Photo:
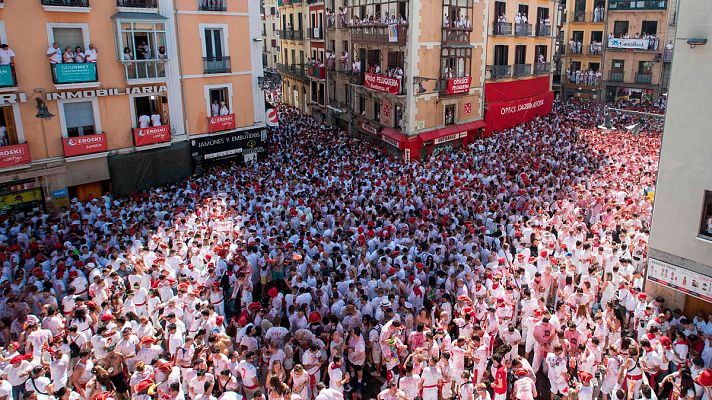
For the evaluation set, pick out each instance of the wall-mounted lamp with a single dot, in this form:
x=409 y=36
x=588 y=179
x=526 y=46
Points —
x=694 y=42
x=42 y=111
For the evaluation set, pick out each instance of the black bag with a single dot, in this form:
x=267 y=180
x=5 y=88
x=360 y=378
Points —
x=74 y=350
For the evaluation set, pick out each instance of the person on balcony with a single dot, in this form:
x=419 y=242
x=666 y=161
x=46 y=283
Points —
x=223 y=108
x=54 y=53
x=79 y=56
x=68 y=56
x=156 y=119
x=162 y=55
x=7 y=56
x=144 y=121
x=92 y=54
x=215 y=108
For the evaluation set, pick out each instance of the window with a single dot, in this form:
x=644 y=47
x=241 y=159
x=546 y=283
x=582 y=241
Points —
x=501 y=55
x=457 y=14
x=500 y=9
x=706 y=225
x=398 y=117
x=455 y=62
x=361 y=105
x=594 y=66
x=617 y=65
x=79 y=118
x=7 y=124
x=541 y=52
x=376 y=110
x=520 y=54
x=150 y=111
x=213 y=43
x=143 y=40
x=68 y=37
x=645 y=67
x=219 y=101
x=523 y=9
x=449 y=117
x=649 y=27
x=620 y=28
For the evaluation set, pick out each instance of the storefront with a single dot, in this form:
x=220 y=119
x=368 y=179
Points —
x=512 y=103
x=21 y=198
x=430 y=143
x=241 y=147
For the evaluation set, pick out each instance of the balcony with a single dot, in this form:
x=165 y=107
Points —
x=580 y=16
x=667 y=55
x=145 y=70
x=316 y=33
x=293 y=70
x=615 y=76
x=379 y=34
x=633 y=5
x=7 y=76
x=291 y=34
x=522 y=29
x=137 y=3
x=542 y=68
x=456 y=35
x=15 y=155
x=330 y=21
x=342 y=23
x=522 y=70
x=543 y=30
x=501 y=28
x=66 y=5
x=216 y=65
x=212 y=5
x=316 y=71
x=645 y=79
x=73 y=73
x=500 y=71
x=582 y=81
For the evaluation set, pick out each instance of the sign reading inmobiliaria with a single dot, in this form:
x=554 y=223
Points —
x=152 y=135
x=382 y=83
x=221 y=123
x=80 y=145
x=459 y=85
x=14 y=155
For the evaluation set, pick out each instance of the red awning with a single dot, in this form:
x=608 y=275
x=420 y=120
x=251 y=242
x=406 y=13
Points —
x=393 y=134
x=449 y=130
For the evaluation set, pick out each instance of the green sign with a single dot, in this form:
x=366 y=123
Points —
x=6 y=78
x=75 y=73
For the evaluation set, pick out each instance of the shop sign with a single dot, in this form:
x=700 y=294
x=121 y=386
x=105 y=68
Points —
x=228 y=146
x=459 y=85
x=637 y=44
x=6 y=78
x=152 y=135
x=75 y=72
x=80 y=145
x=506 y=114
x=368 y=128
x=451 y=137
x=390 y=141
x=14 y=98
x=14 y=155
x=382 y=83
x=221 y=123
x=681 y=279
x=60 y=193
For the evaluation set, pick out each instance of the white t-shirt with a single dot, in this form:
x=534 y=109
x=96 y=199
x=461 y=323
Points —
x=55 y=55
x=144 y=121
x=6 y=56
x=155 y=120
x=91 y=55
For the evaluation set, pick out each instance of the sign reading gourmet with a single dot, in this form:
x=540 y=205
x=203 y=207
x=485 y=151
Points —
x=151 y=135
x=382 y=83
x=637 y=44
x=14 y=155
x=221 y=123
x=80 y=145
x=459 y=85
x=228 y=146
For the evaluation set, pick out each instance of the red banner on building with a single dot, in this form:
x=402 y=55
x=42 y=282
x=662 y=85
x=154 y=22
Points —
x=506 y=114
x=14 y=155
x=221 y=123
x=80 y=145
x=152 y=135
x=459 y=85
x=382 y=83
x=507 y=91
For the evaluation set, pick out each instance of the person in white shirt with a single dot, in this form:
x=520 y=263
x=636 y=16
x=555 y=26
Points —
x=3 y=136
x=7 y=56
x=214 y=108
x=144 y=121
x=156 y=119
x=92 y=54
x=223 y=108
x=54 y=53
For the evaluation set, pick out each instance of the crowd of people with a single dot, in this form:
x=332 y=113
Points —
x=510 y=269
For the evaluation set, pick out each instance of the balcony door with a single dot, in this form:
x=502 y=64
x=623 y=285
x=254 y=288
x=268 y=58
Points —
x=214 y=44
x=501 y=55
x=520 y=54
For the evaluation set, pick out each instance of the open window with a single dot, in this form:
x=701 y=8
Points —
x=706 y=224
x=150 y=110
x=8 y=128
x=219 y=101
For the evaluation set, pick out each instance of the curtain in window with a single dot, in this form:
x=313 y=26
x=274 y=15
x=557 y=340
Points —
x=79 y=118
x=68 y=37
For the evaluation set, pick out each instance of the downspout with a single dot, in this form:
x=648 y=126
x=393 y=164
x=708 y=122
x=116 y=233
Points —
x=180 y=68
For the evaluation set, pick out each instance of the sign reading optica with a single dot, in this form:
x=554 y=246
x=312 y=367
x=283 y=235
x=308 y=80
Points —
x=80 y=145
x=14 y=155
x=638 y=44
x=74 y=72
x=221 y=123
x=152 y=135
x=459 y=85
x=382 y=83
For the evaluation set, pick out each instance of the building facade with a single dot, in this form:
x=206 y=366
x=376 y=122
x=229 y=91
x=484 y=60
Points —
x=294 y=53
x=270 y=36
x=520 y=48
x=102 y=104
x=680 y=248
x=582 y=49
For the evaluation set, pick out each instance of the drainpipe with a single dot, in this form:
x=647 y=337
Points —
x=180 y=68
